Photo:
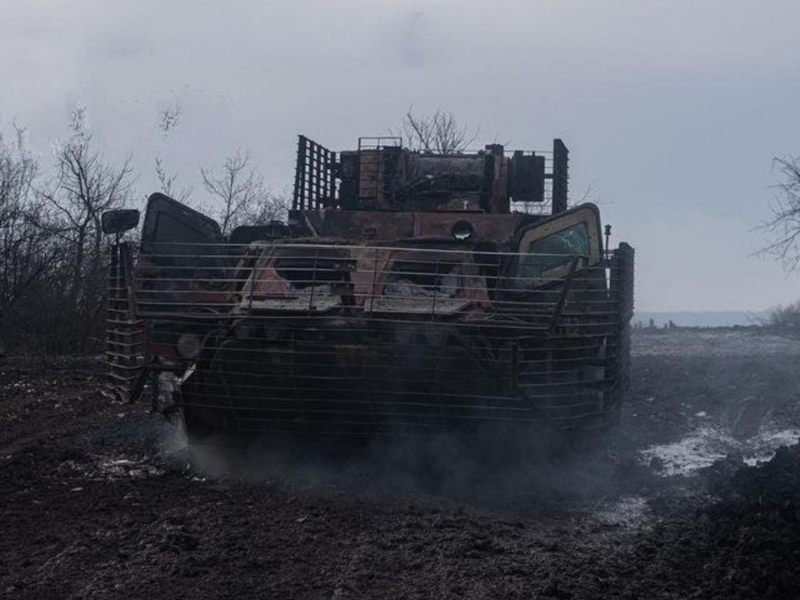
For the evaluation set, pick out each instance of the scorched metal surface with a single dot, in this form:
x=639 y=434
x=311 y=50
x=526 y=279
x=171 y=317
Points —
x=409 y=293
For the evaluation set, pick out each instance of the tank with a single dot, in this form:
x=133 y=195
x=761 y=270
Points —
x=409 y=292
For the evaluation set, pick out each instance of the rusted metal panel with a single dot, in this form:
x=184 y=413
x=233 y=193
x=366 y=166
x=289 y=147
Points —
x=560 y=177
x=372 y=226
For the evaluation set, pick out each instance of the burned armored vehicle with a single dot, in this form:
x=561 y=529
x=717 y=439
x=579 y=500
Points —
x=408 y=292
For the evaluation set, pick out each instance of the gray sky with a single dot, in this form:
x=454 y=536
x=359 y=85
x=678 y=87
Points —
x=673 y=109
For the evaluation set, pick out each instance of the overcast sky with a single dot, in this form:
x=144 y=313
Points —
x=673 y=109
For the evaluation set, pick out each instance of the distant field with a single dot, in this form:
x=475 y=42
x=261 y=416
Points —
x=700 y=318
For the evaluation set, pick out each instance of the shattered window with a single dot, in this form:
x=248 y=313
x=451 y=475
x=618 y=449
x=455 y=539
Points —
x=437 y=277
x=553 y=252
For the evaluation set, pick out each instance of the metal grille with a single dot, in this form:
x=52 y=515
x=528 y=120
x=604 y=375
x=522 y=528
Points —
x=375 y=172
x=125 y=339
x=315 y=184
x=351 y=339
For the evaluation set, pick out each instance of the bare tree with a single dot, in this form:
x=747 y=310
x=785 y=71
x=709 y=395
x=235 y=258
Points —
x=52 y=249
x=168 y=121
x=84 y=185
x=18 y=168
x=167 y=179
x=439 y=132
x=783 y=229
x=25 y=252
x=784 y=316
x=273 y=207
x=243 y=193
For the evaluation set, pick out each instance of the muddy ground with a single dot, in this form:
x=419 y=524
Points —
x=101 y=500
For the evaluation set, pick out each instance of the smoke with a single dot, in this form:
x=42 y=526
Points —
x=532 y=468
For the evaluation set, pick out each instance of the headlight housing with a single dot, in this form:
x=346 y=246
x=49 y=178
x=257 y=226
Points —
x=462 y=231
x=189 y=345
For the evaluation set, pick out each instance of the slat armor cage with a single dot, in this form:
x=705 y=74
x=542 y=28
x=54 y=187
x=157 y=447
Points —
x=315 y=184
x=357 y=339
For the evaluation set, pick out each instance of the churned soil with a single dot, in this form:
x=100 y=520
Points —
x=687 y=499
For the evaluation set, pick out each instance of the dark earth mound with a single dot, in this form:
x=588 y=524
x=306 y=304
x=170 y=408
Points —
x=755 y=527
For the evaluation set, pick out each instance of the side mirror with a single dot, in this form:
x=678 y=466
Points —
x=120 y=220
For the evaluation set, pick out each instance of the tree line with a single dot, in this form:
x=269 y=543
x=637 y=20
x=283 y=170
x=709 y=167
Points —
x=53 y=254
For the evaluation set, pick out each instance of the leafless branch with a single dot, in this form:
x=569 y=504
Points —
x=241 y=192
x=439 y=132
x=166 y=180
x=783 y=229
